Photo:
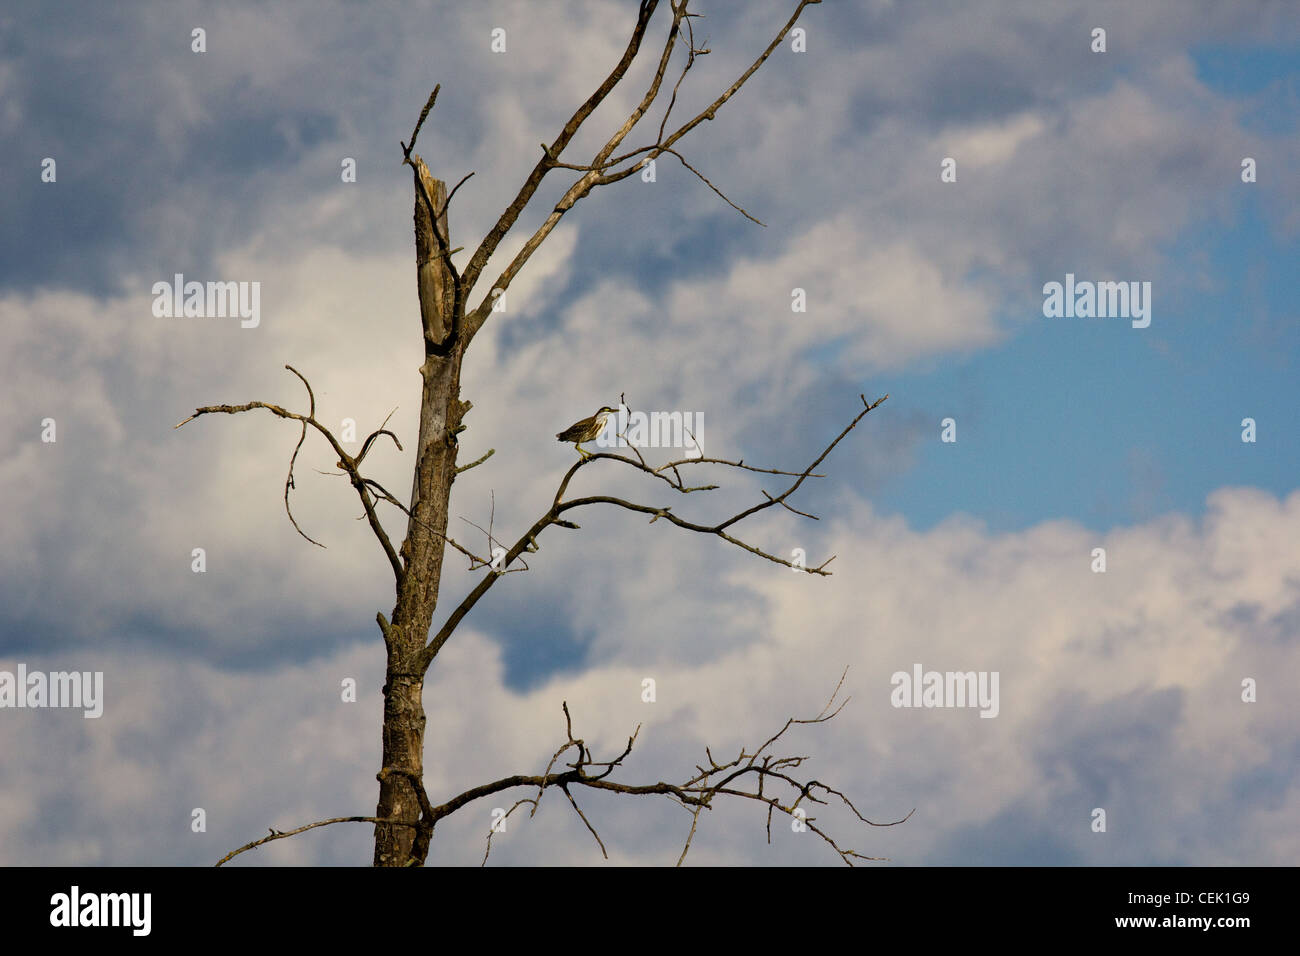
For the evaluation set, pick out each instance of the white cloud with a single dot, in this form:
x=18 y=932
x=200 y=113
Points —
x=1119 y=690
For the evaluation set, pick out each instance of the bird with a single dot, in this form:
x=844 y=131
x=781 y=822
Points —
x=586 y=430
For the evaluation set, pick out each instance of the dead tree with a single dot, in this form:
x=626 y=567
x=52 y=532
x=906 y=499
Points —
x=405 y=817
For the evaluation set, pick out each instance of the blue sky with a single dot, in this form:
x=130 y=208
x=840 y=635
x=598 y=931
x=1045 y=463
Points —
x=1120 y=690
x=1151 y=419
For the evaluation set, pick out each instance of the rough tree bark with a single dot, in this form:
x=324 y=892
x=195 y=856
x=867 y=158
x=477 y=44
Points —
x=441 y=411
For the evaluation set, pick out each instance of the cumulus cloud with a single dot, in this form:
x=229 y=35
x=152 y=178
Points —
x=1118 y=690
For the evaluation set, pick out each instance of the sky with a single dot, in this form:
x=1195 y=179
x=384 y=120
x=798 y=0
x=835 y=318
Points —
x=923 y=173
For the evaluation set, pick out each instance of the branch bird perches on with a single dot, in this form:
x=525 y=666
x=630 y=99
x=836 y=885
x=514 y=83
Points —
x=669 y=473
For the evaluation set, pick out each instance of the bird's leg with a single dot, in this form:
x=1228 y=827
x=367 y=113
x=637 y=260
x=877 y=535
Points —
x=582 y=451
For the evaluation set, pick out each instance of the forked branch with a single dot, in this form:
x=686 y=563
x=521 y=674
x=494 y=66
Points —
x=668 y=473
x=762 y=775
x=349 y=464
x=600 y=171
x=508 y=218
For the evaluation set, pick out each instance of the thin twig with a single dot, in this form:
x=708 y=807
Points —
x=345 y=461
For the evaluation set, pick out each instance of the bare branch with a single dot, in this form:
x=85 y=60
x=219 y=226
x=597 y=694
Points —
x=764 y=766
x=691 y=53
x=345 y=461
x=656 y=149
x=808 y=471
x=506 y=816
x=477 y=461
x=424 y=826
x=720 y=528
x=583 y=185
x=577 y=809
x=507 y=219
x=651 y=93
x=424 y=114
x=595 y=172
x=288 y=483
x=734 y=464
x=447 y=204
x=370 y=438
x=695 y=820
x=788 y=508
x=704 y=179
x=491 y=540
x=386 y=495
x=711 y=110
x=528 y=540
x=284 y=834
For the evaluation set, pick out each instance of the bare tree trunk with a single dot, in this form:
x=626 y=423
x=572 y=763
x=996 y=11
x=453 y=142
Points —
x=441 y=412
